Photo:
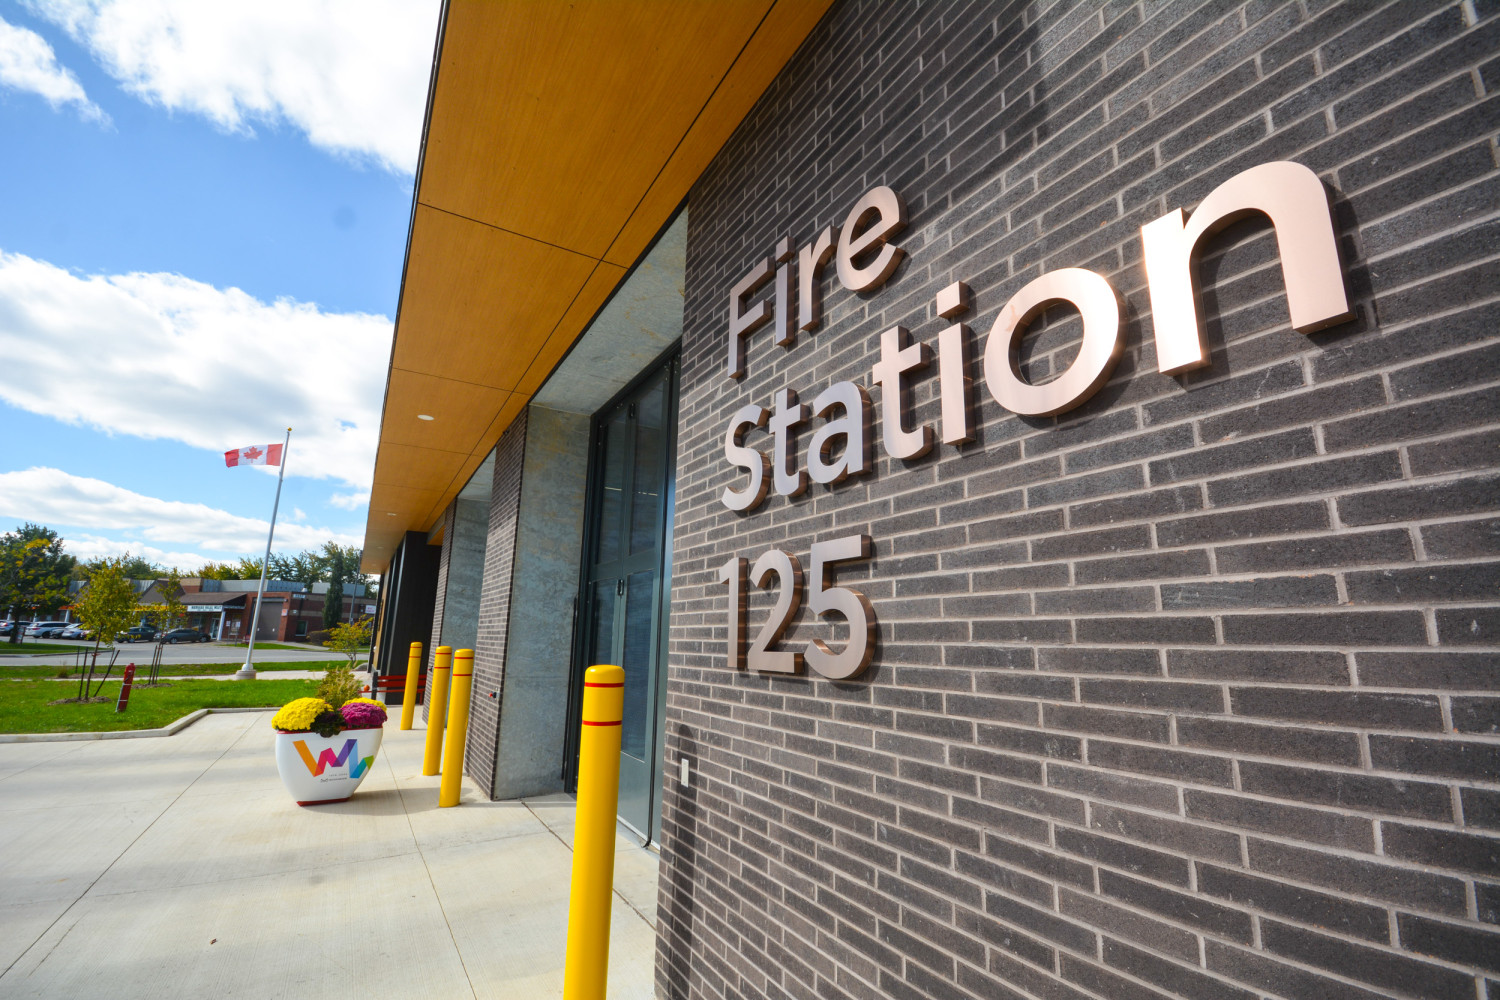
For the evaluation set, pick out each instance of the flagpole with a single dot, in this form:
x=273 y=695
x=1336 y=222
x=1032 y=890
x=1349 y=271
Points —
x=247 y=672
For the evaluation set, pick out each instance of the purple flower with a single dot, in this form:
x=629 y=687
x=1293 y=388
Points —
x=361 y=715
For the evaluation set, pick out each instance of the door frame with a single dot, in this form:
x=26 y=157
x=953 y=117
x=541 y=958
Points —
x=671 y=360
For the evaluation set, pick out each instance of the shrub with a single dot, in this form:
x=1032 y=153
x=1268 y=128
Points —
x=339 y=685
x=318 y=636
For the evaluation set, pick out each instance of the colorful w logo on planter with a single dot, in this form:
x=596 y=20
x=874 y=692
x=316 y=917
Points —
x=327 y=757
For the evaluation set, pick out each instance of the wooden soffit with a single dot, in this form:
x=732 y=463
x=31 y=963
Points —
x=560 y=139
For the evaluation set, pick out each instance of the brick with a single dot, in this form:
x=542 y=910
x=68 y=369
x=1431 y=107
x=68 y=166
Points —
x=1360 y=878
x=1353 y=549
x=1129 y=725
x=1076 y=659
x=1464 y=945
x=1328 y=628
x=1191 y=910
x=1287 y=742
x=1362 y=792
x=1167 y=834
x=1125 y=923
x=1203 y=463
x=1295 y=666
x=1193 y=562
x=1261 y=971
x=1414 y=420
x=1425 y=584
x=1266 y=592
x=1355 y=833
x=1462 y=496
x=1468 y=626
x=1127 y=857
x=1476 y=715
x=1473 y=452
x=1310 y=477
x=1200 y=768
x=1189 y=983
x=1258 y=522
x=1112 y=787
x=1368 y=965
x=1465 y=852
x=1340 y=708
x=1136 y=506
x=1421 y=669
x=1290 y=410
x=1436 y=757
x=1320 y=909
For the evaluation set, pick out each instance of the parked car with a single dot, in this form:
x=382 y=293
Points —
x=46 y=630
x=140 y=633
x=6 y=628
x=183 y=635
x=76 y=631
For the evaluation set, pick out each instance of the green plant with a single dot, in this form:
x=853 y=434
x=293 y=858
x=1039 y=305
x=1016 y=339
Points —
x=339 y=685
x=350 y=638
x=319 y=636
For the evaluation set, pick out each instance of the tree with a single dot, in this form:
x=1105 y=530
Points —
x=217 y=571
x=34 y=571
x=134 y=567
x=333 y=604
x=248 y=569
x=107 y=605
x=169 y=614
x=351 y=638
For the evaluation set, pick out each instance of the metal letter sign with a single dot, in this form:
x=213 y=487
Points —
x=1289 y=194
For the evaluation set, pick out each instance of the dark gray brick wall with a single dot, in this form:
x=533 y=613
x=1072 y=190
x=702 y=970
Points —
x=494 y=607
x=1190 y=692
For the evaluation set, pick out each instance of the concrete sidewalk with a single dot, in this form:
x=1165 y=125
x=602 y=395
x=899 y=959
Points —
x=180 y=867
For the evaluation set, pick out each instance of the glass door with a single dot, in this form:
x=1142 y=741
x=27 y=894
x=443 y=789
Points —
x=623 y=599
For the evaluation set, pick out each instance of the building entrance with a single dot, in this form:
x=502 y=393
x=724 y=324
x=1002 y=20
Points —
x=623 y=601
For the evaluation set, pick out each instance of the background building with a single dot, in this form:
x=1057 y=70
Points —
x=1188 y=690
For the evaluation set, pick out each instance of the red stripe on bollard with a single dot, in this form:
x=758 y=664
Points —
x=125 y=688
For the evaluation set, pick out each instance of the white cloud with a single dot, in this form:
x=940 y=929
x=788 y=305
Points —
x=351 y=75
x=162 y=356
x=28 y=63
x=87 y=547
x=64 y=501
x=350 y=501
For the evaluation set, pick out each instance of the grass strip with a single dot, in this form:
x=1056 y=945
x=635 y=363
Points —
x=167 y=669
x=24 y=706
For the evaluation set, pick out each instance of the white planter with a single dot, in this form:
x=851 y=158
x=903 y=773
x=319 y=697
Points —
x=318 y=769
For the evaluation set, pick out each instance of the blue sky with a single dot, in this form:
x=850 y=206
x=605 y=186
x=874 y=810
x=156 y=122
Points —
x=201 y=239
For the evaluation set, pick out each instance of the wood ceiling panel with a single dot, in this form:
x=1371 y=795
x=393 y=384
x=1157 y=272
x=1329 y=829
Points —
x=479 y=302
x=777 y=38
x=460 y=410
x=405 y=465
x=589 y=301
x=596 y=95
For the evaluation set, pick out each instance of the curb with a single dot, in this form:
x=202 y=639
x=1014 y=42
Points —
x=125 y=734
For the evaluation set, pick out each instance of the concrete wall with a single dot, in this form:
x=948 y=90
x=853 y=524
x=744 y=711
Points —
x=534 y=692
x=1189 y=692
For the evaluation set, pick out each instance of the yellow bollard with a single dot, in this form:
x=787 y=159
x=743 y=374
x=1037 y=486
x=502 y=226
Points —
x=451 y=787
x=587 y=965
x=437 y=709
x=409 y=701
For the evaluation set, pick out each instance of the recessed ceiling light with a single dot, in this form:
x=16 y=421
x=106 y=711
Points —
x=389 y=514
x=423 y=416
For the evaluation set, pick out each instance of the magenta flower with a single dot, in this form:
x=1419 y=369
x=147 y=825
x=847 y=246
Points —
x=362 y=715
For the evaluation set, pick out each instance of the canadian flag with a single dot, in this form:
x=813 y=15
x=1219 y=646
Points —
x=255 y=454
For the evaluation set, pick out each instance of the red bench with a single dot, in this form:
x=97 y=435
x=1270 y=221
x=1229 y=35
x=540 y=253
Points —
x=397 y=682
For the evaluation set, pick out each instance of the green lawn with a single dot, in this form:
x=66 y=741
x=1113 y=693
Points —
x=167 y=669
x=24 y=708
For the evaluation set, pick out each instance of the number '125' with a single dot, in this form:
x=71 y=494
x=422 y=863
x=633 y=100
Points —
x=851 y=604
